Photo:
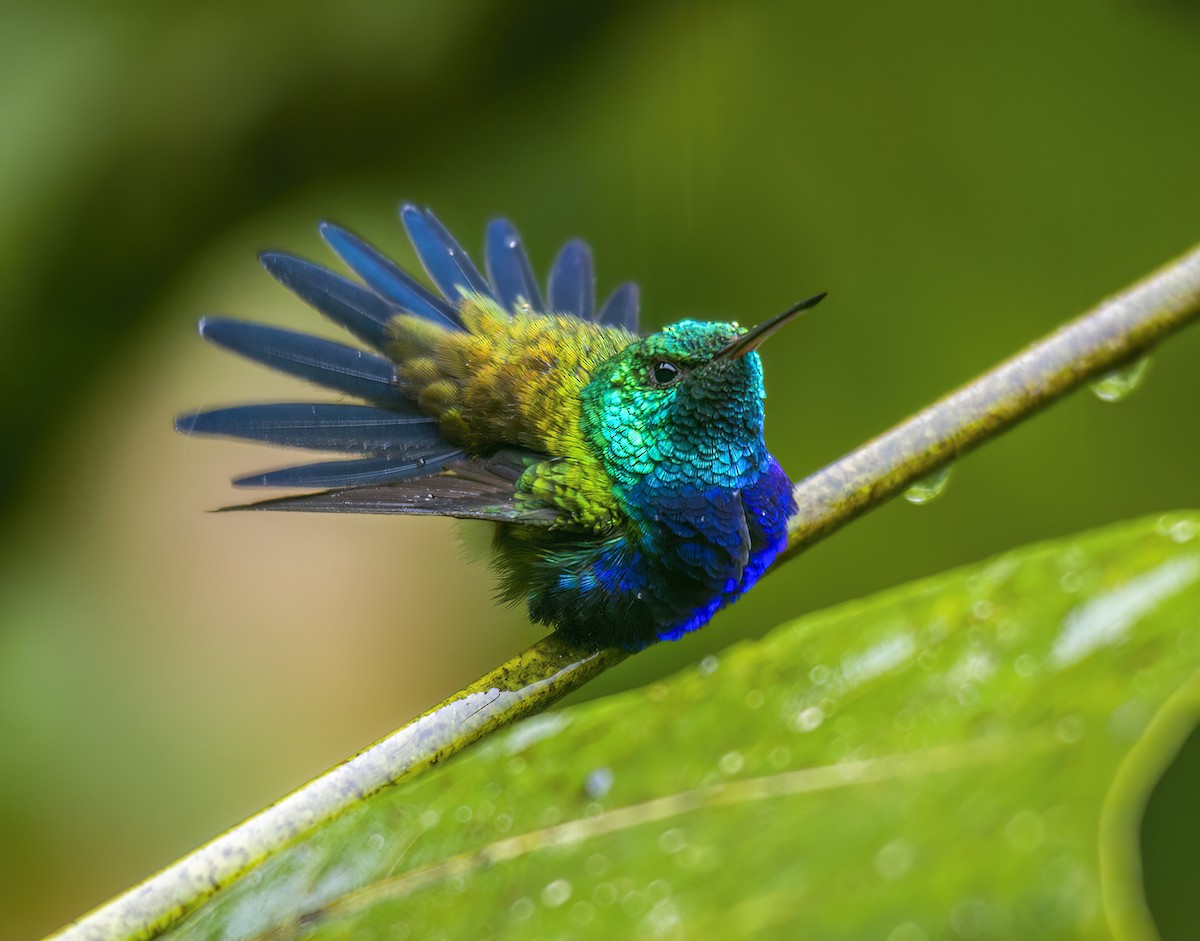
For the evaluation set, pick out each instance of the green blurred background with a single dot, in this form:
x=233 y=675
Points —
x=959 y=177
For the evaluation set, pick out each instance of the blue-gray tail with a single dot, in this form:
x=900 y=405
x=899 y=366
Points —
x=391 y=440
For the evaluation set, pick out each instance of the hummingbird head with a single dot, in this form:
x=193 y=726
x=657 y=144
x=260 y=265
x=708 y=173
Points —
x=684 y=404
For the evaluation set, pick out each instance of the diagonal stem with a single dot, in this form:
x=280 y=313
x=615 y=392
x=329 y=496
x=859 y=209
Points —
x=1113 y=333
x=1116 y=332
x=525 y=684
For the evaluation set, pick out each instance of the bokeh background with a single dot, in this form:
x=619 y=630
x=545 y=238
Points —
x=959 y=177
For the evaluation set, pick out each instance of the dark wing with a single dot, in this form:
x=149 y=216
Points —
x=466 y=489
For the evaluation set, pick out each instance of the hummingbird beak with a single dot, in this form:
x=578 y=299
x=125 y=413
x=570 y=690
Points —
x=753 y=338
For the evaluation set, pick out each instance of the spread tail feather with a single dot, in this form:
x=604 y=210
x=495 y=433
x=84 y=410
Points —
x=336 y=366
x=399 y=450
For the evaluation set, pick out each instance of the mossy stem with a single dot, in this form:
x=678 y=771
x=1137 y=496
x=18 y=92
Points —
x=526 y=684
x=1115 y=332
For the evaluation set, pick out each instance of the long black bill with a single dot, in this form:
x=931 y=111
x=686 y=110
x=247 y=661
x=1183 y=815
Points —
x=753 y=338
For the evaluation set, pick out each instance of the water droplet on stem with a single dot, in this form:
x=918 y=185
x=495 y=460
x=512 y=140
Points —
x=1117 y=385
x=928 y=488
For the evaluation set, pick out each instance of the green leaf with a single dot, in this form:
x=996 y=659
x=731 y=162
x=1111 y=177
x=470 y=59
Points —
x=961 y=757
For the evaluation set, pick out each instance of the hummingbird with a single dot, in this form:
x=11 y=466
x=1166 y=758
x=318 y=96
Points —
x=627 y=475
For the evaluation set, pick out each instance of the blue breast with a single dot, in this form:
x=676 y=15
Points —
x=700 y=548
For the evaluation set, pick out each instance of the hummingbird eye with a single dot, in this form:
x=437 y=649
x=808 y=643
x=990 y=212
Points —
x=665 y=372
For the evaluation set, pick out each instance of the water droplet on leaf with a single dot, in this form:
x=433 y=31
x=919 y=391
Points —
x=672 y=841
x=971 y=918
x=556 y=893
x=1181 y=530
x=583 y=913
x=1129 y=720
x=894 y=860
x=1069 y=729
x=598 y=783
x=634 y=904
x=731 y=763
x=1025 y=831
x=908 y=931
x=1070 y=582
x=809 y=719
x=780 y=757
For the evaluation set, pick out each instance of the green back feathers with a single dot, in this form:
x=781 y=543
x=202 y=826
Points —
x=506 y=379
x=516 y=379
